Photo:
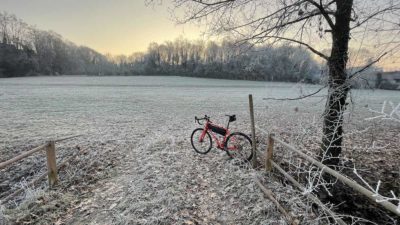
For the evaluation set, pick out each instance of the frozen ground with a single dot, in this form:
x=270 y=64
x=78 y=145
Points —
x=147 y=121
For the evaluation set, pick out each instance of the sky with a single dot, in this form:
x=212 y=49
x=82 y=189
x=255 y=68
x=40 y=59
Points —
x=116 y=27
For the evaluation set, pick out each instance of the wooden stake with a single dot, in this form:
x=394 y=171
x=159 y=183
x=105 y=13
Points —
x=30 y=152
x=269 y=153
x=34 y=182
x=51 y=163
x=253 y=131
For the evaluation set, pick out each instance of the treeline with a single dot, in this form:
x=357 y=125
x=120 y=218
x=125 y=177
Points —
x=25 y=50
x=224 y=60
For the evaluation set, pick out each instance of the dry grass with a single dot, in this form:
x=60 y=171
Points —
x=140 y=167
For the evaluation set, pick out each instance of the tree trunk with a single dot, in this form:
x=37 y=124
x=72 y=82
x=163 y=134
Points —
x=338 y=86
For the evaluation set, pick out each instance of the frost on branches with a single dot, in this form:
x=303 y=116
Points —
x=388 y=112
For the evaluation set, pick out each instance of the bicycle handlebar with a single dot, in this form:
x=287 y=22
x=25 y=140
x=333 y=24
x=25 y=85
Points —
x=207 y=118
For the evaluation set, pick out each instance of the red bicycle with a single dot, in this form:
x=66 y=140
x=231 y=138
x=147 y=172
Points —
x=237 y=144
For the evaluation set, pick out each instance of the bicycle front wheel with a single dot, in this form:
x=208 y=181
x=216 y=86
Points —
x=238 y=145
x=201 y=144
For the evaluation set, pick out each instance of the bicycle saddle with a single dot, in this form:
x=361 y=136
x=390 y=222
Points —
x=231 y=118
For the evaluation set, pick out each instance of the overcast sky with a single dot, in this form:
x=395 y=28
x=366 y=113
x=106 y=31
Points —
x=117 y=27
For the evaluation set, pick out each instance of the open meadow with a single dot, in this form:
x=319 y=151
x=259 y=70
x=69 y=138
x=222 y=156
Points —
x=139 y=167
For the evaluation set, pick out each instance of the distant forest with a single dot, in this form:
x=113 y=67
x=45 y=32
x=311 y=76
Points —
x=25 y=51
x=28 y=51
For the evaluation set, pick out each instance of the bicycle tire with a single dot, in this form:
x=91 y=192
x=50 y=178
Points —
x=248 y=151
x=207 y=137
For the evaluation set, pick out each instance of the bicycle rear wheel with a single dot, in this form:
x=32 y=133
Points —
x=201 y=146
x=239 y=146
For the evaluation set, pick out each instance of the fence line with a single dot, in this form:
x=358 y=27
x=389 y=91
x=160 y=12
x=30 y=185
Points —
x=21 y=156
x=32 y=151
x=309 y=195
x=351 y=183
x=51 y=162
x=68 y=137
x=33 y=182
x=253 y=132
x=270 y=195
x=269 y=163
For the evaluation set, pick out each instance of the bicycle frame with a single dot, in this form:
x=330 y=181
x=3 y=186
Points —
x=220 y=144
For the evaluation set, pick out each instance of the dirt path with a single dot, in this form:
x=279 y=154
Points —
x=165 y=182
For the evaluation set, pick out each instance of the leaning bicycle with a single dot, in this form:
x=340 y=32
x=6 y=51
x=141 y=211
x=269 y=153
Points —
x=237 y=145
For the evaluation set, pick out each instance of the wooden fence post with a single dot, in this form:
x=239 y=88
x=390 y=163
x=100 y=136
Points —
x=51 y=163
x=253 y=131
x=269 y=153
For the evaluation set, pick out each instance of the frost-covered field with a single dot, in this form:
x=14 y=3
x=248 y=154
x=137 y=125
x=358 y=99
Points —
x=148 y=120
x=104 y=108
x=36 y=108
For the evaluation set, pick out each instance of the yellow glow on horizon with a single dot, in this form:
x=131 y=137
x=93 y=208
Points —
x=116 y=27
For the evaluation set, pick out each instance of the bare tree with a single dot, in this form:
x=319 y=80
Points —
x=315 y=25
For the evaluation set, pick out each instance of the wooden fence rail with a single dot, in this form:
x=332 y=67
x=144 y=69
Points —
x=21 y=156
x=309 y=195
x=11 y=194
x=50 y=155
x=351 y=183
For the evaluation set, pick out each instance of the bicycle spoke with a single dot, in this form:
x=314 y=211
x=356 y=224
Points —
x=239 y=146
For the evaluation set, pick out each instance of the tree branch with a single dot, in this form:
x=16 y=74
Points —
x=353 y=75
x=298 y=98
x=375 y=14
x=301 y=43
x=214 y=3
x=323 y=12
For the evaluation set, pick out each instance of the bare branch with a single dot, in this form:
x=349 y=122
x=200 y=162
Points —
x=213 y=3
x=353 y=75
x=298 y=98
x=323 y=12
x=372 y=15
x=301 y=43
